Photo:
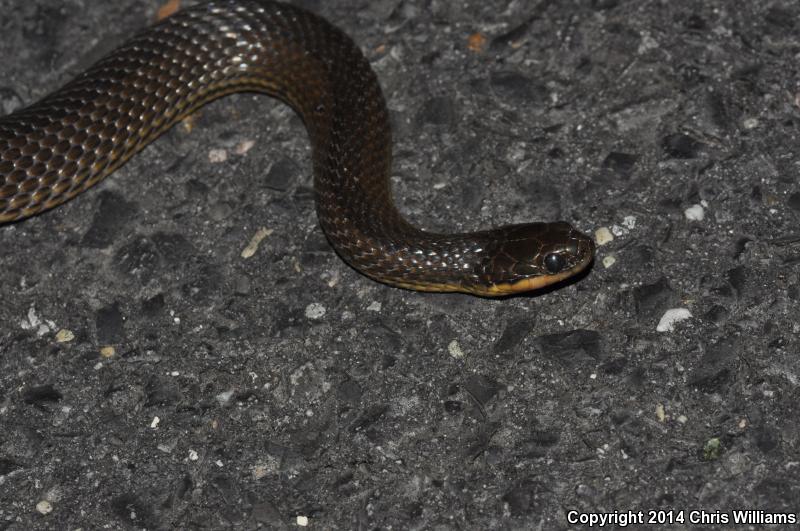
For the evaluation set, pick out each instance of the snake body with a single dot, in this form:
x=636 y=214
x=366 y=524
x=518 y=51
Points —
x=65 y=143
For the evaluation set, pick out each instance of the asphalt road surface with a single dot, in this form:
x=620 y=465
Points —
x=154 y=377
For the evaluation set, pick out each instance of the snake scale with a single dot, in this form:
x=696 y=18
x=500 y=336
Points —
x=65 y=143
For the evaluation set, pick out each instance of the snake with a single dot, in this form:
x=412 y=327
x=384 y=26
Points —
x=63 y=144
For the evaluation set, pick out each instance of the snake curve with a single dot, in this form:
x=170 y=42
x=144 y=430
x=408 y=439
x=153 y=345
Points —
x=65 y=143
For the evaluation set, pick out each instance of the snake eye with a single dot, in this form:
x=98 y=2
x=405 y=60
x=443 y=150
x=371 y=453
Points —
x=554 y=262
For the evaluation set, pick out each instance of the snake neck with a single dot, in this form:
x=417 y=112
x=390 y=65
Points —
x=349 y=127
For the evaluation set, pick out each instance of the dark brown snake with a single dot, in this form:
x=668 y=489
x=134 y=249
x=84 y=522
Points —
x=63 y=144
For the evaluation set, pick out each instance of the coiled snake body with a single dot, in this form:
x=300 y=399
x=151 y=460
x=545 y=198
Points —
x=63 y=144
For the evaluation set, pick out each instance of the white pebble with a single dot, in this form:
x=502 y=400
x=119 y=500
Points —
x=255 y=241
x=315 y=310
x=609 y=261
x=217 y=155
x=44 y=507
x=455 y=349
x=224 y=398
x=750 y=123
x=64 y=336
x=32 y=321
x=302 y=521
x=165 y=448
x=629 y=222
x=694 y=213
x=670 y=317
x=603 y=236
x=244 y=146
x=619 y=230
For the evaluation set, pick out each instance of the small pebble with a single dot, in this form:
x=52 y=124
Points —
x=609 y=261
x=619 y=230
x=224 y=398
x=603 y=236
x=315 y=310
x=64 y=336
x=44 y=507
x=252 y=246
x=476 y=42
x=244 y=146
x=260 y=471
x=661 y=415
x=670 y=317
x=165 y=448
x=694 y=213
x=217 y=155
x=647 y=43
x=712 y=449
x=455 y=349
x=32 y=320
x=629 y=222
x=302 y=521
x=750 y=123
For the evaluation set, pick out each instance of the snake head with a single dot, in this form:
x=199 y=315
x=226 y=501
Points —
x=533 y=255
